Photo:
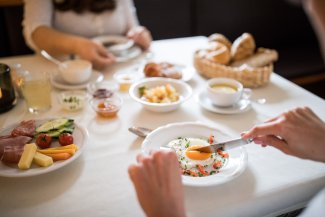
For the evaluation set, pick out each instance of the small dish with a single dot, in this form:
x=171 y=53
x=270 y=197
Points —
x=242 y=105
x=102 y=89
x=58 y=82
x=108 y=107
x=183 y=89
x=126 y=78
x=72 y=100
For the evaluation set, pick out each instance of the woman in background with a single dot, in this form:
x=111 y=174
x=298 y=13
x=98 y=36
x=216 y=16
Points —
x=65 y=27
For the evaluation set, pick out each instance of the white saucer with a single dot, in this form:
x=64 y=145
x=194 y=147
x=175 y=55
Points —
x=130 y=53
x=243 y=105
x=58 y=82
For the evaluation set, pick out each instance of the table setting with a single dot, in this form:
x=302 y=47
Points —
x=166 y=98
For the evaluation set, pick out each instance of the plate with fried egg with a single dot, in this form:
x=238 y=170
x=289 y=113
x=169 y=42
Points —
x=198 y=168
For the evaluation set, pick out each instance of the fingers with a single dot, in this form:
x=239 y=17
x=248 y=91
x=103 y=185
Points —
x=271 y=128
x=141 y=36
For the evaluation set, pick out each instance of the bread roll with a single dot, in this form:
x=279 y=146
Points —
x=219 y=54
x=216 y=37
x=243 y=47
x=261 y=58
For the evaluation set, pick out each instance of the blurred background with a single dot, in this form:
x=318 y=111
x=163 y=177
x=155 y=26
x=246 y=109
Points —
x=277 y=24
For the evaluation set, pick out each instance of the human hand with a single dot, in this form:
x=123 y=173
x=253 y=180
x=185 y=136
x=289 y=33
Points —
x=298 y=132
x=95 y=53
x=141 y=36
x=157 y=181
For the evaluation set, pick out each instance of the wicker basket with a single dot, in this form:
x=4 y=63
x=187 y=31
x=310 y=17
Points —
x=249 y=77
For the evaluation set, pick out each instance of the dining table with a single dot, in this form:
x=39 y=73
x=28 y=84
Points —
x=97 y=182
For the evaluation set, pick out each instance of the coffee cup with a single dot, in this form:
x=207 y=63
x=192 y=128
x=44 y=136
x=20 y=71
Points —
x=225 y=92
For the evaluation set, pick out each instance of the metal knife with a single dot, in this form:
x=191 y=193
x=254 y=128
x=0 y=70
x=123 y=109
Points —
x=224 y=146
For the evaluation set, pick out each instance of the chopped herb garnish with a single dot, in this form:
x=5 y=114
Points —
x=142 y=90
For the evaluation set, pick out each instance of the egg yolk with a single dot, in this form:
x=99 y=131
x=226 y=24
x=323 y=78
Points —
x=196 y=155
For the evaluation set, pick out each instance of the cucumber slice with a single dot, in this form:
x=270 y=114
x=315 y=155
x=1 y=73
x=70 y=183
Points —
x=54 y=125
x=56 y=133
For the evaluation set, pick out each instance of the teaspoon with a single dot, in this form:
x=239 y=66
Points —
x=140 y=131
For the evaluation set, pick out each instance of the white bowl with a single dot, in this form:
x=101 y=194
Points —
x=72 y=100
x=184 y=90
x=75 y=71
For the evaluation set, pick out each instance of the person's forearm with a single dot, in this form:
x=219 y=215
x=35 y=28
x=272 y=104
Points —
x=55 y=42
x=316 y=12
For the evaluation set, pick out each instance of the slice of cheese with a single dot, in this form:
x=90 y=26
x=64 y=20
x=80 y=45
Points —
x=27 y=156
x=42 y=160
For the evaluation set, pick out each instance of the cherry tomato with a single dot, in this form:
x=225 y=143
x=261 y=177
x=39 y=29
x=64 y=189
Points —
x=65 y=139
x=43 y=141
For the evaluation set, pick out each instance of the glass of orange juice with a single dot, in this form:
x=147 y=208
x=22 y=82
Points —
x=36 y=89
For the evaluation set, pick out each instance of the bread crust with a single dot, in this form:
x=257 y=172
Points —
x=217 y=37
x=244 y=46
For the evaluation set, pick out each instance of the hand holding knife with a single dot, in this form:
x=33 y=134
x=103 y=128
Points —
x=224 y=146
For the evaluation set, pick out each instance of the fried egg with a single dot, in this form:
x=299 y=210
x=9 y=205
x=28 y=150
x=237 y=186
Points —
x=196 y=163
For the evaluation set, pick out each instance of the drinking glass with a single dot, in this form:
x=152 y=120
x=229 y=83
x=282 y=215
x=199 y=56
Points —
x=36 y=88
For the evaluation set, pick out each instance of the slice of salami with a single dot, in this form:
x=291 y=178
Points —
x=13 y=141
x=25 y=128
x=12 y=154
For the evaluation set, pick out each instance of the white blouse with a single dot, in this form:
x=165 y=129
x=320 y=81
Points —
x=42 y=13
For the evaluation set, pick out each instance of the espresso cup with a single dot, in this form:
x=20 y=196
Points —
x=224 y=92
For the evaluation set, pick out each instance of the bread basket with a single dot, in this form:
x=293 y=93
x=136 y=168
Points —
x=248 y=76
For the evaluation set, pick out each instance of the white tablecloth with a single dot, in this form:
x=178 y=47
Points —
x=97 y=183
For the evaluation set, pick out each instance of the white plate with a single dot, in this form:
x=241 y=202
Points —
x=80 y=137
x=163 y=135
x=243 y=105
x=187 y=71
x=58 y=82
x=128 y=54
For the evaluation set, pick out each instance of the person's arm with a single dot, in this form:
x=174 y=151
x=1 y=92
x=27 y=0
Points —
x=58 y=43
x=139 y=34
x=315 y=9
x=39 y=34
x=157 y=181
x=298 y=132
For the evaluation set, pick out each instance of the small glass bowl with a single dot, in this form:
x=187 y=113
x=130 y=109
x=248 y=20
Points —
x=108 y=107
x=72 y=100
x=103 y=89
x=126 y=78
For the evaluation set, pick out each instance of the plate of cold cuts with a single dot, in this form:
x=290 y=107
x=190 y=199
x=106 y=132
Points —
x=14 y=140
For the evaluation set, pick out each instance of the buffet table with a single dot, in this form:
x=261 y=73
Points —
x=97 y=183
